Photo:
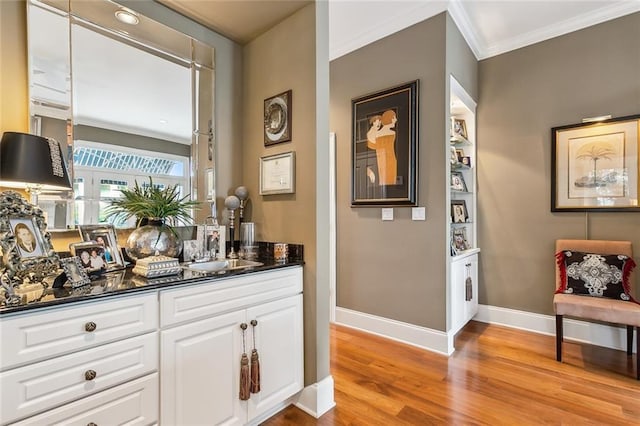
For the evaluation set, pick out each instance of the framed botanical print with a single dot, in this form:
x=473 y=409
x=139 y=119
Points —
x=595 y=166
x=384 y=147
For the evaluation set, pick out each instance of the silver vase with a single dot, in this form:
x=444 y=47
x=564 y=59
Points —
x=153 y=238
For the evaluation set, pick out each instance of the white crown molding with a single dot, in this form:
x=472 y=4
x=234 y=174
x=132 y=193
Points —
x=343 y=41
x=461 y=18
x=607 y=13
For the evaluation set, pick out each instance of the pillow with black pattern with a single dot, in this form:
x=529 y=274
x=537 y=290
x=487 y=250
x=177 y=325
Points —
x=597 y=275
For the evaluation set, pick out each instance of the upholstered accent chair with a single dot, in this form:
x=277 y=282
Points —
x=611 y=310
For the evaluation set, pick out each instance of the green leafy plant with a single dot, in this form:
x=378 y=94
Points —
x=153 y=203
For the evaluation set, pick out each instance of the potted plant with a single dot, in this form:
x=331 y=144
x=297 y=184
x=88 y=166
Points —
x=156 y=210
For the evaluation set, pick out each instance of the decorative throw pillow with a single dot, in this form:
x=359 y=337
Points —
x=598 y=275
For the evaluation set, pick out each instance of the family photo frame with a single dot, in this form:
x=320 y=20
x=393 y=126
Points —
x=92 y=256
x=27 y=252
x=458 y=129
x=595 y=166
x=76 y=275
x=459 y=212
x=105 y=236
x=384 y=147
x=457 y=182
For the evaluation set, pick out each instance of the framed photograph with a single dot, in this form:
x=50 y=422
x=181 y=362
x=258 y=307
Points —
x=459 y=241
x=104 y=235
x=25 y=245
x=28 y=237
x=76 y=274
x=595 y=166
x=92 y=256
x=278 y=174
x=459 y=213
x=277 y=118
x=384 y=147
x=457 y=182
x=458 y=128
x=459 y=154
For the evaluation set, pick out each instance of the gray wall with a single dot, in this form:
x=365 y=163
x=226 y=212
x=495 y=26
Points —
x=396 y=269
x=523 y=94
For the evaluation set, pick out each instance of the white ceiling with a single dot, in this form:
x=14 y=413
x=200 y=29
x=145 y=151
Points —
x=490 y=27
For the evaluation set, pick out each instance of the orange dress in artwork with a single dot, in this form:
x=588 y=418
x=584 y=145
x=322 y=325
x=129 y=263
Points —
x=386 y=149
x=386 y=156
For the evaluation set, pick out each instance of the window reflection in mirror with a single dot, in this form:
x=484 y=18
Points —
x=131 y=102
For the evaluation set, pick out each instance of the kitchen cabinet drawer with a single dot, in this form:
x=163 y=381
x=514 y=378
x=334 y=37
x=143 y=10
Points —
x=133 y=403
x=44 y=385
x=29 y=337
x=222 y=295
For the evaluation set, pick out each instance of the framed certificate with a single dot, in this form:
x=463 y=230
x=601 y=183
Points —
x=277 y=174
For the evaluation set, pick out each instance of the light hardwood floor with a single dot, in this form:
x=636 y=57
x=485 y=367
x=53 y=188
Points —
x=497 y=376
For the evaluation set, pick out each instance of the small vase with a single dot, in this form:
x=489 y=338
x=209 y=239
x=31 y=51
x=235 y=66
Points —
x=155 y=237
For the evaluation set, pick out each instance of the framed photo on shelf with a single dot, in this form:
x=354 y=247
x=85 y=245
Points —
x=459 y=242
x=458 y=128
x=595 y=166
x=91 y=254
x=457 y=182
x=76 y=274
x=104 y=235
x=384 y=147
x=277 y=118
x=459 y=213
x=278 y=174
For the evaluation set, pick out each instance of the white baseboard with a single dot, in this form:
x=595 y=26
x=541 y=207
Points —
x=422 y=337
x=441 y=342
x=580 y=331
x=317 y=399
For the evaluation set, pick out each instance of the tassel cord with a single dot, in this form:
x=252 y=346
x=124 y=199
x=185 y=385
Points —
x=245 y=375
x=255 y=362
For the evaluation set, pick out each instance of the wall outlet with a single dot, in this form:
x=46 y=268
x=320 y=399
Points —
x=387 y=214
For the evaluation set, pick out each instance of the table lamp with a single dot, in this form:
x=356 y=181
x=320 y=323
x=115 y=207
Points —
x=32 y=162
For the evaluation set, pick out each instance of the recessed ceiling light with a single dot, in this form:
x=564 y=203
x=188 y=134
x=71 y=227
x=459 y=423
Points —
x=127 y=16
x=163 y=121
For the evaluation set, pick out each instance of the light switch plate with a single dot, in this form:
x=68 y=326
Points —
x=418 y=213
x=387 y=214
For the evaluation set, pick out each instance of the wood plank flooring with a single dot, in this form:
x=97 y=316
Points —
x=497 y=376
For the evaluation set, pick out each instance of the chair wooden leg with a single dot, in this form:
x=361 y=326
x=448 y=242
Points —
x=629 y=339
x=559 y=338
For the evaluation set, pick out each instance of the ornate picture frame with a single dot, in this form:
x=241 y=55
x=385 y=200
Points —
x=26 y=245
x=596 y=166
x=76 y=274
x=277 y=118
x=384 y=147
x=105 y=235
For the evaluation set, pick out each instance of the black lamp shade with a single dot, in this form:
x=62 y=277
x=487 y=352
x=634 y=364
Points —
x=32 y=160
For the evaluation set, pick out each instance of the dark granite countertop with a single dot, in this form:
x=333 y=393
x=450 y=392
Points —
x=123 y=282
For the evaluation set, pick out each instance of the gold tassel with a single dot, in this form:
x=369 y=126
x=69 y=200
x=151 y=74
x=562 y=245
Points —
x=245 y=378
x=255 y=371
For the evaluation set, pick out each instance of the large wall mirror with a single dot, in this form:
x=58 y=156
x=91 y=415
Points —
x=129 y=100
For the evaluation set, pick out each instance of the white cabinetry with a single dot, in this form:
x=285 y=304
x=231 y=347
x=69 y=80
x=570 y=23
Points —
x=54 y=359
x=464 y=289
x=200 y=358
x=463 y=217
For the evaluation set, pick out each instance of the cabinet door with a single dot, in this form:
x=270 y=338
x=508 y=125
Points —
x=457 y=295
x=278 y=336
x=200 y=371
x=471 y=270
